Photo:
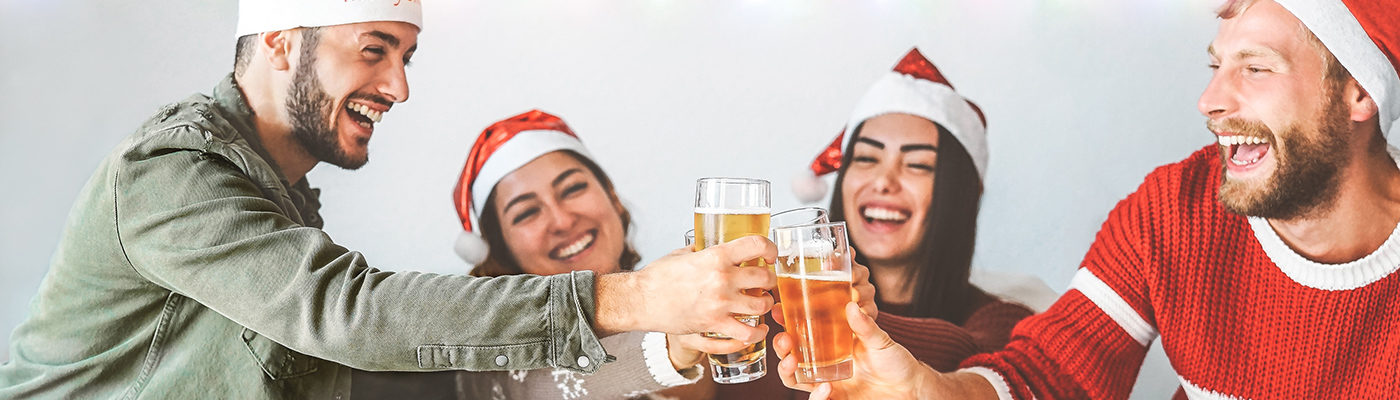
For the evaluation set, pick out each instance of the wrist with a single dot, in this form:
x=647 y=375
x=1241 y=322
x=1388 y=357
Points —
x=962 y=384
x=617 y=311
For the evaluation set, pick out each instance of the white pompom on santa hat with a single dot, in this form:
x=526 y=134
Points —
x=914 y=87
x=502 y=148
x=258 y=16
x=1364 y=35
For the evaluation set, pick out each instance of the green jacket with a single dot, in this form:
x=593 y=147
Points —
x=190 y=268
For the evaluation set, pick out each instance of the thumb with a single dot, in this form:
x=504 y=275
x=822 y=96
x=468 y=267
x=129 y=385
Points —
x=865 y=329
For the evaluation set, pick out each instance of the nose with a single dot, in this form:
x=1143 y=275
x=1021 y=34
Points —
x=1218 y=100
x=886 y=178
x=395 y=84
x=561 y=219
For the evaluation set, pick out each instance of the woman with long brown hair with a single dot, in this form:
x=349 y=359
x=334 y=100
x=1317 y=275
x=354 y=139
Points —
x=909 y=171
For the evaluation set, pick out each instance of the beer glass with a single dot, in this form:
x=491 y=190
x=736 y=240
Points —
x=799 y=216
x=814 y=282
x=728 y=209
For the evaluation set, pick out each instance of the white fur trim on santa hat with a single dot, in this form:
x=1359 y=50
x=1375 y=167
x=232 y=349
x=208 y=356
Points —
x=900 y=93
x=471 y=247
x=808 y=187
x=1333 y=24
x=515 y=153
x=258 y=16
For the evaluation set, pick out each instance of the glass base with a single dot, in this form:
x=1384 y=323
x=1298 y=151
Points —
x=739 y=373
x=840 y=370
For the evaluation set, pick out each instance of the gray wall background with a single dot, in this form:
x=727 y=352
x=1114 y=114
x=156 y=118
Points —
x=1083 y=99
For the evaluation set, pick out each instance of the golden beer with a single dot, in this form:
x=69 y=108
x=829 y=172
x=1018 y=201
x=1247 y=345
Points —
x=814 y=305
x=716 y=226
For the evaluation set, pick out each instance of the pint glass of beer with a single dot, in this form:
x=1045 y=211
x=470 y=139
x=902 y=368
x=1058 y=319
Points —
x=799 y=216
x=728 y=209
x=814 y=282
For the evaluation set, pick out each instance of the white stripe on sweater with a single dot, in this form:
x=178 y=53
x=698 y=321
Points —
x=1197 y=393
x=1113 y=305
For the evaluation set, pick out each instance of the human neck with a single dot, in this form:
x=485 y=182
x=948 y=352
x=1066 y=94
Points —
x=1363 y=215
x=270 y=119
x=892 y=281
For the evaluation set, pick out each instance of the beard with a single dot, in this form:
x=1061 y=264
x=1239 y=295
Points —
x=1308 y=159
x=310 y=108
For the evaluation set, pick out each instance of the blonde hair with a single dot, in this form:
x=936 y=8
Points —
x=1333 y=72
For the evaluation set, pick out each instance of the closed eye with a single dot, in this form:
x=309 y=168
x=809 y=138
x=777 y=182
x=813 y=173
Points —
x=574 y=189
x=922 y=167
x=863 y=159
x=374 y=52
x=524 y=215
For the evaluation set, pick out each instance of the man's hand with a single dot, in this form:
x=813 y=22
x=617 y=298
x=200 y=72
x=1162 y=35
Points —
x=691 y=292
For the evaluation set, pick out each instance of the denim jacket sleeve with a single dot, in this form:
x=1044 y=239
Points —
x=191 y=220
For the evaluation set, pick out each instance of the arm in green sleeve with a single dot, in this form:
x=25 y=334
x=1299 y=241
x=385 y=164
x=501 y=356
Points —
x=194 y=223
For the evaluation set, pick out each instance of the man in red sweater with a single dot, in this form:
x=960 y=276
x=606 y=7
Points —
x=1266 y=263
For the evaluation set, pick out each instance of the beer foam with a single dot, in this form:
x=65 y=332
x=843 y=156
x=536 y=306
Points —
x=827 y=276
x=808 y=248
x=733 y=211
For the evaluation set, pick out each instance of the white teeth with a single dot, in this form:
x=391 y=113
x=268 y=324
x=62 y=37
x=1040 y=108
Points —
x=884 y=214
x=1235 y=140
x=364 y=110
x=576 y=247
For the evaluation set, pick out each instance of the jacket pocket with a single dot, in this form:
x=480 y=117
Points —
x=277 y=362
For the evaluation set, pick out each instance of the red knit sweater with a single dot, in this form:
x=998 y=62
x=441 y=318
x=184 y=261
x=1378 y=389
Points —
x=1239 y=313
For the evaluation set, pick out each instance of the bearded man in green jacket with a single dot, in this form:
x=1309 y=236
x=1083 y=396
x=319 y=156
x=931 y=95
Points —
x=193 y=264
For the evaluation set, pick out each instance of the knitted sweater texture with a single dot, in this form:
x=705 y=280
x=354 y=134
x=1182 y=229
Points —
x=1239 y=313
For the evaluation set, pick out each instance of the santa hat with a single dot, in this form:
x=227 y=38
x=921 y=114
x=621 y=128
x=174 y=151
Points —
x=915 y=87
x=258 y=16
x=1364 y=35
x=501 y=149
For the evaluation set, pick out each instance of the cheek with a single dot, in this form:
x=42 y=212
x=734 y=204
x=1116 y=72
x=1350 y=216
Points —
x=525 y=243
x=851 y=184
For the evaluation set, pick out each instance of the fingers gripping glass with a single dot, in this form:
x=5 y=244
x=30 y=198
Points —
x=728 y=209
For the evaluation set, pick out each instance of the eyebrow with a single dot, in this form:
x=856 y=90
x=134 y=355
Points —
x=517 y=200
x=872 y=142
x=1249 y=53
x=921 y=146
x=905 y=148
x=560 y=179
x=387 y=38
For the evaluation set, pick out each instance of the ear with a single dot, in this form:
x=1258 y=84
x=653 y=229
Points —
x=276 y=47
x=1362 y=107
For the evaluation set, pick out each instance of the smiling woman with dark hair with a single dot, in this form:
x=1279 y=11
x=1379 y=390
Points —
x=543 y=207
x=909 y=185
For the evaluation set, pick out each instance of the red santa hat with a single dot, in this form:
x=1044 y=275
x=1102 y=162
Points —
x=914 y=87
x=501 y=149
x=1364 y=35
x=258 y=16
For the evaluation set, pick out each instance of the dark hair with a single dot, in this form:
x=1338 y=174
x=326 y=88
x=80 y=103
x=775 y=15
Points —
x=499 y=261
x=944 y=256
x=246 y=48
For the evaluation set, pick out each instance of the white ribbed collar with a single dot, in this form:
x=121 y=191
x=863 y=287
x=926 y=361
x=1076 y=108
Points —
x=1364 y=271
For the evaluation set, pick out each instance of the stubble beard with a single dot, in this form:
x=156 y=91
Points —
x=310 y=108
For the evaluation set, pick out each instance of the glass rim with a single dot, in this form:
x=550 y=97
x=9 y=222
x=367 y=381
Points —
x=726 y=179
x=818 y=225
x=799 y=209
